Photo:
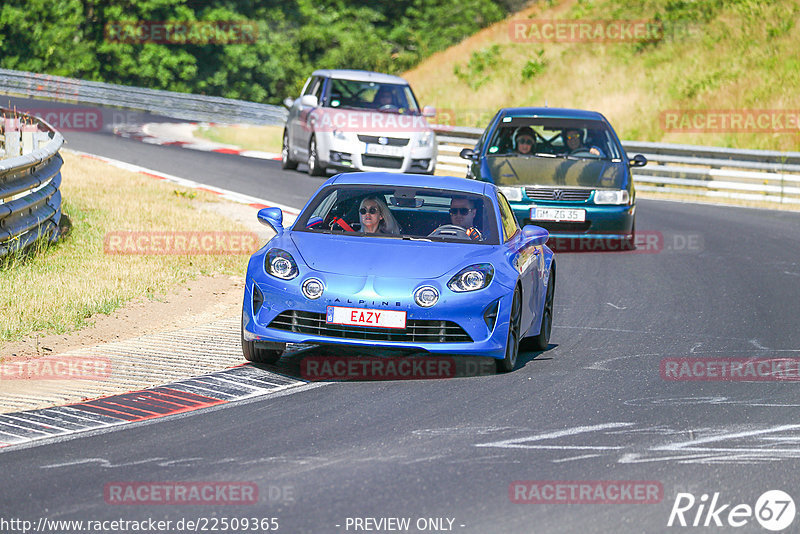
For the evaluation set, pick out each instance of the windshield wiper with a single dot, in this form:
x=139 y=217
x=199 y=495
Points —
x=409 y=238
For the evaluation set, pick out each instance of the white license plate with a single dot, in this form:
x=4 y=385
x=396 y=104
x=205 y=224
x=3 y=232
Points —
x=366 y=317
x=558 y=214
x=385 y=150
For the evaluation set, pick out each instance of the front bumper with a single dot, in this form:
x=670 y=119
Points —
x=602 y=221
x=350 y=154
x=296 y=319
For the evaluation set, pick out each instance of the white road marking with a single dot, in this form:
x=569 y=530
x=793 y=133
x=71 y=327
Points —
x=519 y=443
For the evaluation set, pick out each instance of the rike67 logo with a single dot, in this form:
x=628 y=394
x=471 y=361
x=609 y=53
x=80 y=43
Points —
x=774 y=510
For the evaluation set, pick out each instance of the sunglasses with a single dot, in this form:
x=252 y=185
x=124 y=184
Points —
x=459 y=211
x=526 y=141
x=372 y=210
x=573 y=136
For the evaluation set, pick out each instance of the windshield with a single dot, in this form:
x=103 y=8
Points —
x=553 y=138
x=401 y=213
x=385 y=97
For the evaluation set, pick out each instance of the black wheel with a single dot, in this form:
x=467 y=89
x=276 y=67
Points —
x=512 y=342
x=314 y=167
x=258 y=355
x=287 y=162
x=542 y=340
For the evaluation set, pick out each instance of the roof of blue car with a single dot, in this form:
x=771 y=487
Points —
x=410 y=180
x=561 y=113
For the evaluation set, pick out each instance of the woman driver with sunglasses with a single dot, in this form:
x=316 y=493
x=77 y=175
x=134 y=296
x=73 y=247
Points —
x=376 y=218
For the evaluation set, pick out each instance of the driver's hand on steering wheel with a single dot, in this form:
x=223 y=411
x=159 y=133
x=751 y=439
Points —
x=474 y=234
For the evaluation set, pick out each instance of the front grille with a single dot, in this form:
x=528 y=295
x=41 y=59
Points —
x=416 y=331
x=555 y=193
x=374 y=139
x=386 y=162
x=561 y=227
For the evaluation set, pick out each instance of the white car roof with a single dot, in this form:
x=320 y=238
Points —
x=359 y=76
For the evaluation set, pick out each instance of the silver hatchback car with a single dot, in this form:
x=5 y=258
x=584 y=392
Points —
x=358 y=120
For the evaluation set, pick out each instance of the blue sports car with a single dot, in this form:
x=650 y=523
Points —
x=437 y=264
x=562 y=169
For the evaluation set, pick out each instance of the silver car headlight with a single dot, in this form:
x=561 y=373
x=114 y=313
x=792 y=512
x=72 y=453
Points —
x=425 y=139
x=602 y=196
x=280 y=264
x=472 y=278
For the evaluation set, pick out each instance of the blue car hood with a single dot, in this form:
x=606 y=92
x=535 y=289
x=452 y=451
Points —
x=386 y=257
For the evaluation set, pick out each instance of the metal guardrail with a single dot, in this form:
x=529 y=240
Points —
x=713 y=172
x=30 y=200
x=183 y=106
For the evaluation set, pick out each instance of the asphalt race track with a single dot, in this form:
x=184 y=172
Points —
x=715 y=282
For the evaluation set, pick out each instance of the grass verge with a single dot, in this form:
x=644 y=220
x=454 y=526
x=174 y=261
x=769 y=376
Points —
x=263 y=138
x=60 y=288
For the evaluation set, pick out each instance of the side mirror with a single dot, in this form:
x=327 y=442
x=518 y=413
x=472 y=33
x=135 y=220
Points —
x=468 y=153
x=535 y=235
x=272 y=217
x=638 y=161
x=309 y=101
x=288 y=102
x=429 y=111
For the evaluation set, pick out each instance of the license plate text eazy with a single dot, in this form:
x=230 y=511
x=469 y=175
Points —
x=366 y=317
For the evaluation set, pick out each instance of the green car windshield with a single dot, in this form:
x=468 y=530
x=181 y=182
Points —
x=572 y=152
x=553 y=137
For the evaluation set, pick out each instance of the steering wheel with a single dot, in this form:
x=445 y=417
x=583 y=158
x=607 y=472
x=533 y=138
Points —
x=450 y=230
x=582 y=151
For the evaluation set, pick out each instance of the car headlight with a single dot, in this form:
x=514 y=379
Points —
x=426 y=296
x=472 y=278
x=313 y=288
x=426 y=139
x=514 y=194
x=280 y=264
x=602 y=196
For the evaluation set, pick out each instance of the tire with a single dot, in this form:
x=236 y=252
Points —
x=287 y=163
x=258 y=355
x=541 y=341
x=508 y=363
x=314 y=166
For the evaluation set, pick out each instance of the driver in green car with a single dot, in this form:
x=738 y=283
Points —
x=574 y=141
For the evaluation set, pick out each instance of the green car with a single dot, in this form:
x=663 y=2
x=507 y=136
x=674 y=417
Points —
x=562 y=169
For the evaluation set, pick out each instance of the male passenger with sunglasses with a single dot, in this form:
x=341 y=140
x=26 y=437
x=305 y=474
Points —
x=462 y=213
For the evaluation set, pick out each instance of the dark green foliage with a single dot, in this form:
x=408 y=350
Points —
x=294 y=37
